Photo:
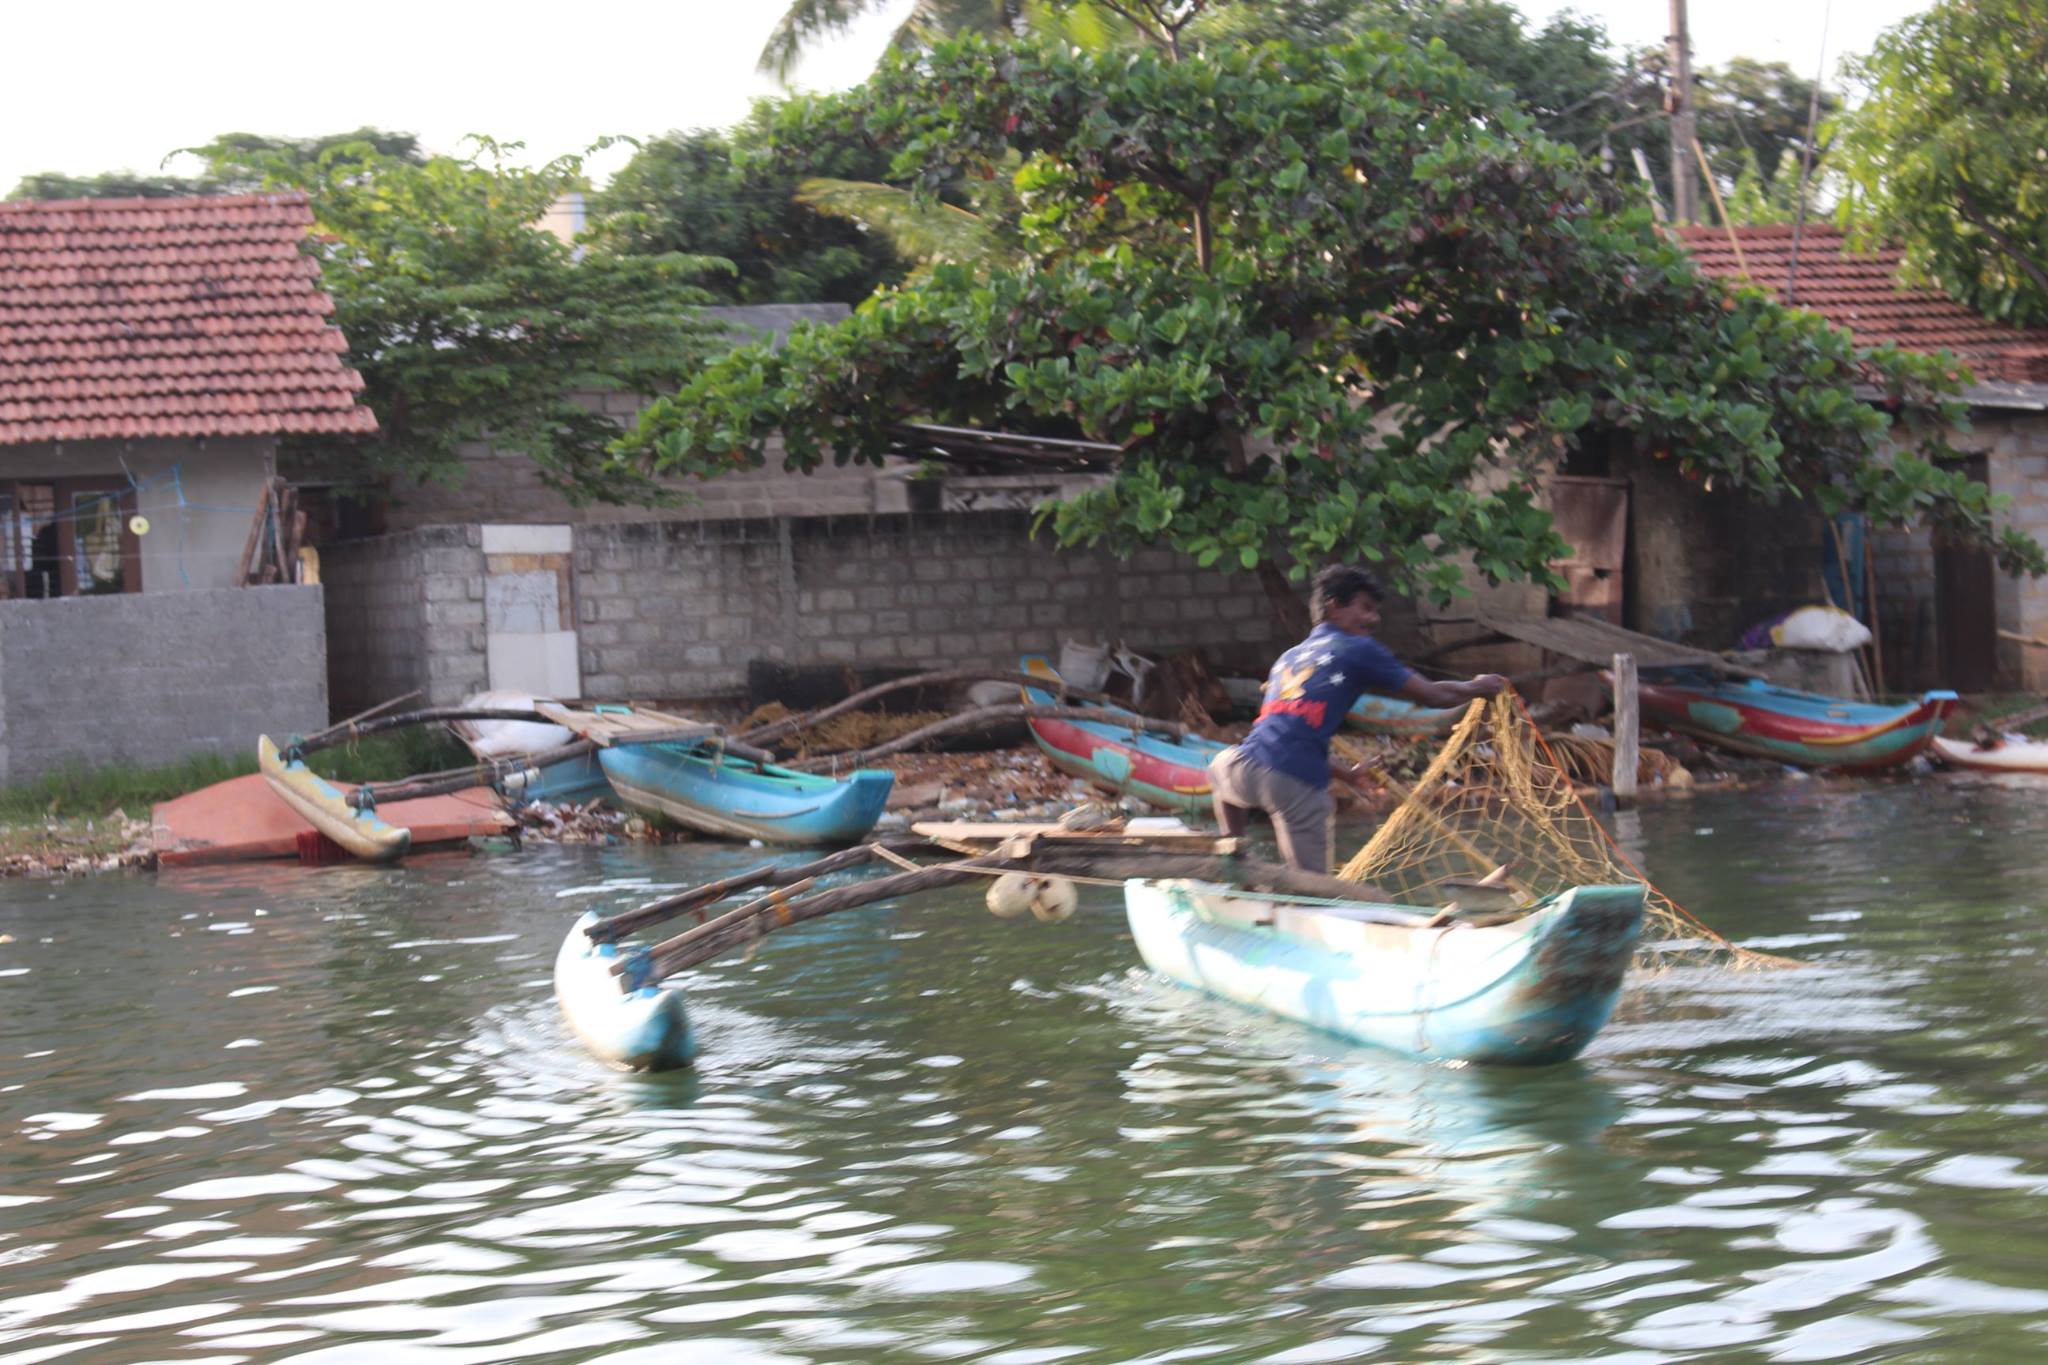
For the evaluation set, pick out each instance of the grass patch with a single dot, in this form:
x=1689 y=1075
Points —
x=79 y=793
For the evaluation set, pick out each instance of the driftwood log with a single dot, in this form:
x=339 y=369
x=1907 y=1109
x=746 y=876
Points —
x=789 y=724
x=991 y=715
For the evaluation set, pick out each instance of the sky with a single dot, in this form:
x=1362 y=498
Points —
x=109 y=85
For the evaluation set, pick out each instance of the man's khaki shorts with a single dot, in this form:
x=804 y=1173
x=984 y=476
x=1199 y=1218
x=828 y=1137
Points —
x=1304 y=817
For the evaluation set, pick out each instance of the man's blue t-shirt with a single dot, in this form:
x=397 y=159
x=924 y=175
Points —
x=1310 y=688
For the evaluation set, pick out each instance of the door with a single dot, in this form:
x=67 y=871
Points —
x=1591 y=514
x=1966 y=607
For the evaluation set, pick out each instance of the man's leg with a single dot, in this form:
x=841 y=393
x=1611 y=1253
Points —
x=1234 y=816
x=1304 y=822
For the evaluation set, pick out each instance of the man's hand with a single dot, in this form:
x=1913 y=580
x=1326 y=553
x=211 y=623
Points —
x=1488 y=685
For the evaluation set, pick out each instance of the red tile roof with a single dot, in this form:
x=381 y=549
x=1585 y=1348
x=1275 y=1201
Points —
x=1861 y=293
x=167 y=317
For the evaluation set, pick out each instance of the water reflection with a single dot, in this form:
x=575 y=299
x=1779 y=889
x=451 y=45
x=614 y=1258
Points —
x=329 y=1115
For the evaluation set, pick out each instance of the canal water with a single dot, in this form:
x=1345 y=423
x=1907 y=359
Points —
x=332 y=1116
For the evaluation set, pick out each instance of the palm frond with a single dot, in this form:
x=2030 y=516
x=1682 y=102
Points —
x=928 y=232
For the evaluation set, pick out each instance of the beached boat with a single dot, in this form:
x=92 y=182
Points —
x=2012 y=754
x=1397 y=716
x=1805 y=729
x=325 y=807
x=565 y=781
x=638 y=1027
x=707 y=789
x=1173 y=773
x=1528 y=992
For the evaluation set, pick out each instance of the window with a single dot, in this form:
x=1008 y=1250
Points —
x=65 y=537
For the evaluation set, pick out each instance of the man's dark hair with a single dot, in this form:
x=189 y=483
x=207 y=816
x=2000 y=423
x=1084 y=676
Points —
x=1337 y=585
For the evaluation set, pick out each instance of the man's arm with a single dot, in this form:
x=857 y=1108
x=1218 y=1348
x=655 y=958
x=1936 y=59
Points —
x=1428 y=692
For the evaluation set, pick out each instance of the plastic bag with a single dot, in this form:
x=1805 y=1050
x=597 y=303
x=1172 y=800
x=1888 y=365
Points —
x=1823 y=628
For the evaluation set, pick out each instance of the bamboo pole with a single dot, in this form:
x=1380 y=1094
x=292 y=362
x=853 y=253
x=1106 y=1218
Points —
x=1627 y=730
x=339 y=726
x=483 y=773
x=764 y=915
x=768 y=874
x=776 y=729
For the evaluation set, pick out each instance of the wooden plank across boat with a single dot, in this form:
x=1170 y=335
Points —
x=325 y=807
x=1805 y=729
x=1528 y=992
x=1169 y=773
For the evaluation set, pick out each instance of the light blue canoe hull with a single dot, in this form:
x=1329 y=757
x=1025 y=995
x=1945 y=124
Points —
x=1377 y=715
x=735 y=799
x=646 y=1028
x=1529 y=993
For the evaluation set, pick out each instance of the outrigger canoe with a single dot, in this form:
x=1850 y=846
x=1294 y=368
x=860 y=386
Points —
x=325 y=807
x=1526 y=993
x=2012 y=755
x=1397 y=716
x=707 y=789
x=1805 y=729
x=636 y=1026
x=1155 y=769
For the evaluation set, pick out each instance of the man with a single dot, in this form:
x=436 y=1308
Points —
x=1283 y=767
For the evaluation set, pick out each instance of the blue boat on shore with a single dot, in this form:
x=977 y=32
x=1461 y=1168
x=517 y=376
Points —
x=1528 y=992
x=704 y=788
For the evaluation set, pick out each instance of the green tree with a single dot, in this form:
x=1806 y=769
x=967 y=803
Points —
x=714 y=194
x=130 y=185
x=1332 y=302
x=1945 y=154
x=468 y=321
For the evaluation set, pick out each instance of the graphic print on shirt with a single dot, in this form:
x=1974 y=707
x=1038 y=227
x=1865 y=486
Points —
x=1308 y=690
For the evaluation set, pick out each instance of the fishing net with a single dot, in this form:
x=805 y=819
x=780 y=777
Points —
x=1494 y=823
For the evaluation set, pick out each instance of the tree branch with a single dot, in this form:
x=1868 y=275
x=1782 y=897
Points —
x=1973 y=213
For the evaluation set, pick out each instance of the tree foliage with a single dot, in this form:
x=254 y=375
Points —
x=1332 y=302
x=468 y=320
x=715 y=194
x=242 y=146
x=1948 y=153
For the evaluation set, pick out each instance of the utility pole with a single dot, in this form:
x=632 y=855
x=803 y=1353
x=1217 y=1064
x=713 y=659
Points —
x=1685 y=192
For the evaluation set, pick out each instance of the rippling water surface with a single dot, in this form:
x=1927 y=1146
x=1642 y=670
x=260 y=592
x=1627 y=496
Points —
x=331 y=1115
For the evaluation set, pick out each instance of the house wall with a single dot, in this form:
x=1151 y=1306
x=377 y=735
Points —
x=2015 y=445
x=405 y=613
x=199 y=496
x=677 y=610
x=144 y=678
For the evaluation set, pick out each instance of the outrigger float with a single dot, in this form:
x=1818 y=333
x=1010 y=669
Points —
x=1515 y=984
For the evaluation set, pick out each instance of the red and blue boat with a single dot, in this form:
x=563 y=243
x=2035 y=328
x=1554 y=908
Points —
x=1172 y=773
x=1805 y=729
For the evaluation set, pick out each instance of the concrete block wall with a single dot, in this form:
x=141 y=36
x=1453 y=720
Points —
x=679 y=610
x=152 y=678
x=405 y=612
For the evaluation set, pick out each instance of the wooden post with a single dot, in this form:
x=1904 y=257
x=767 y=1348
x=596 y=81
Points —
x=1627 y=726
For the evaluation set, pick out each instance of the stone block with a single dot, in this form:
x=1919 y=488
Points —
x=853 y=623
